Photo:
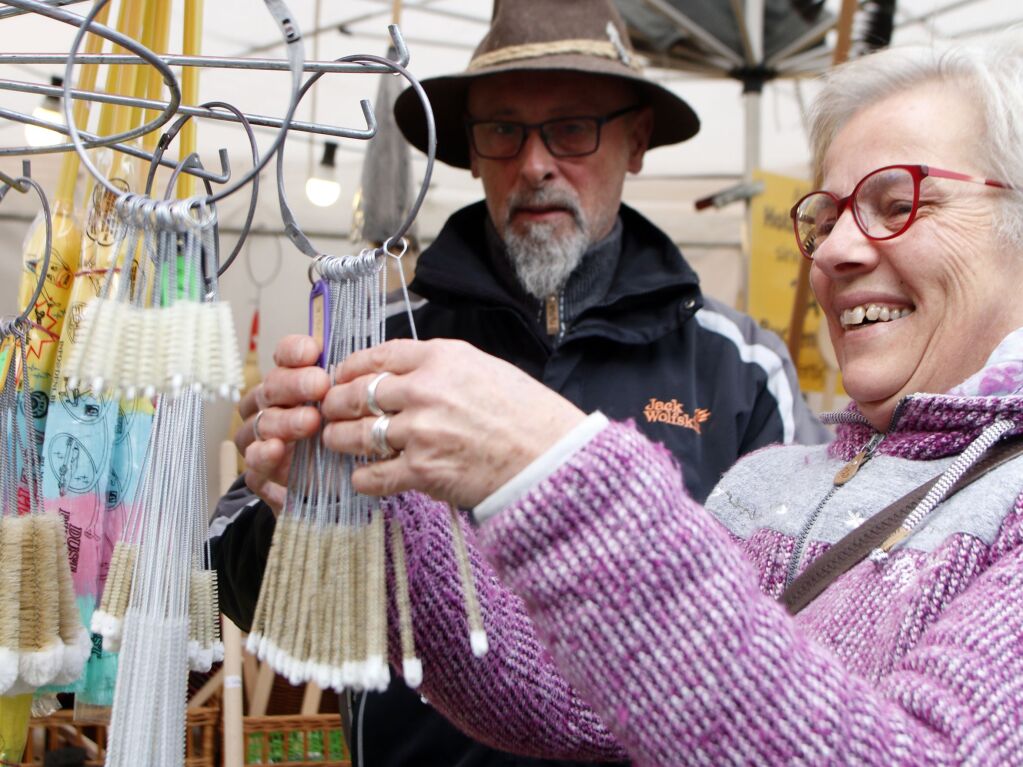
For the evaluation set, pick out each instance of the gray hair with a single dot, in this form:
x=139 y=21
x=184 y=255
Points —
x=991 y=68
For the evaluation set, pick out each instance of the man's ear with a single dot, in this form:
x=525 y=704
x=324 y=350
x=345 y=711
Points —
x=639 y=138
x=474 y=164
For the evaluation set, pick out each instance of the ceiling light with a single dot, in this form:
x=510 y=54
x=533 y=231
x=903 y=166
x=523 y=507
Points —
x=322 y=187
x=49 y=110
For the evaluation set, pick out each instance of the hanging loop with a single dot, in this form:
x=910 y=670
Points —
x=291 y=227
x=22 y=184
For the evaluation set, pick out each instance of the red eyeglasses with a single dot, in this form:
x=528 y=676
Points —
x=884 y=204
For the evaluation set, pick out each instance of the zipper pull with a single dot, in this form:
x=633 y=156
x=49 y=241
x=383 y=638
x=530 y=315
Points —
x=553 y=315
x=848 y=471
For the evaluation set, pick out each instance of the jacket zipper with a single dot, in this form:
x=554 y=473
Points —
x=847 y=472
x=553 y=314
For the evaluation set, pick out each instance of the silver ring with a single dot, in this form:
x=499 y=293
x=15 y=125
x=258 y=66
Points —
x=255 y=427
x=378 y=435
x=371 y=394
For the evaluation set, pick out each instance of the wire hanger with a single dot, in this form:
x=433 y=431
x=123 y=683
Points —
x=89 y=25
x=294 y=47
x=170 y=135
x=23 y=184
x=291 y=227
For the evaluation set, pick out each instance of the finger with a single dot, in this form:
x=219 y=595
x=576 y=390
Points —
x=251 y=403
x=284 y=424
x=351 y=400
x=296 y=351
x=399 y=356
x=269 y=459
x=272 y=493
x=356 y=437
x=286 y=387
x=383 y=477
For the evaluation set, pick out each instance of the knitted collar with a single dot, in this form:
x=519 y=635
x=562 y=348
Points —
x=926 y=426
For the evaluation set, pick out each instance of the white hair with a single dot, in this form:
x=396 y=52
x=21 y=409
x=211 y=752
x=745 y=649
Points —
x=990 y=68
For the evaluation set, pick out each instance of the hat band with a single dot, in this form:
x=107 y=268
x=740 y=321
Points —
x=559 y=47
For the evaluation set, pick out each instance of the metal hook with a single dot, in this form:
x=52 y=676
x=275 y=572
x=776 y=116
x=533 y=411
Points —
x=291 y=227
x=22 y=184
x=88 y=24
x=172 y=133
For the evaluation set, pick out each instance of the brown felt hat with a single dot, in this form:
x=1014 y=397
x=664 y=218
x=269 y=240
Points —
x=541 y=35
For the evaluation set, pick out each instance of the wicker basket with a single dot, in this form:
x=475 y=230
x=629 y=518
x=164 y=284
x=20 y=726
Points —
x=60 y=731
x=295 y=741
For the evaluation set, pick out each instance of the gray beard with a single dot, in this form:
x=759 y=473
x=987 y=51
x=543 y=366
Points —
x=542 y=261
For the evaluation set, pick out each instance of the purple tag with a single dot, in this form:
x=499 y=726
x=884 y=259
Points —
x=319 y=318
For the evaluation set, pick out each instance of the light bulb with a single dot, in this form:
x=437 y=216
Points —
x=322 y=192
x=321 y=188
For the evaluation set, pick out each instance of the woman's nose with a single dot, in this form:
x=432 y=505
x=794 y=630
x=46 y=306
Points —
x=846 y=250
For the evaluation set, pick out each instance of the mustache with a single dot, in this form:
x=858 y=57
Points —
x=545 y=197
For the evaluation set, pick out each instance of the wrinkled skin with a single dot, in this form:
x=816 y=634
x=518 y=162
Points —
x=949 y=267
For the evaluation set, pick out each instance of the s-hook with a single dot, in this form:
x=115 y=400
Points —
x=291 y=227
x=22 y=184
x=296 y=59
x=88 y=24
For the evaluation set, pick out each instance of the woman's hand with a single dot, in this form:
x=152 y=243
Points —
x=462 y=423
x=281 y=404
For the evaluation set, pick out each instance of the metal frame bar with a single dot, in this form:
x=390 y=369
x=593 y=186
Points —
x=108 y=98
x=811 y=37
x=674 y=14
x=9 y=12
x=229 y=62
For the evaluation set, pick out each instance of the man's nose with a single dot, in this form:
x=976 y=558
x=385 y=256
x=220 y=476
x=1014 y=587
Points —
x=536 y=163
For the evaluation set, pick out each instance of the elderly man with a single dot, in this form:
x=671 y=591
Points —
x=554 y=274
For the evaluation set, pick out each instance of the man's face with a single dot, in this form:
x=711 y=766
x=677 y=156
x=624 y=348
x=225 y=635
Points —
x=550 y=209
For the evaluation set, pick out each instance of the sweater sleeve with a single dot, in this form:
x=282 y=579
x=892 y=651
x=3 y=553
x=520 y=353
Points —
x=241 y=530
x=653 y=614
x=513 y=698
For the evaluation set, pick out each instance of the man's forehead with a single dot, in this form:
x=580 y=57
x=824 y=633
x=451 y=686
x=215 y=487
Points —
x=550 y=92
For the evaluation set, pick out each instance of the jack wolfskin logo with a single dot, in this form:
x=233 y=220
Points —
x=673 y=413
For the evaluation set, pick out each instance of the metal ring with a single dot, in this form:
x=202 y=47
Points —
x=378 y=435
x=371 y=394
x=255 y=426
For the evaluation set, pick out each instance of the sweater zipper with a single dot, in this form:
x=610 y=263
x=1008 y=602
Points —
x=844 y=474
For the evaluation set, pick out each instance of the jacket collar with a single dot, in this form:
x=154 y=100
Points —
x=927 y=426
x=651 y=283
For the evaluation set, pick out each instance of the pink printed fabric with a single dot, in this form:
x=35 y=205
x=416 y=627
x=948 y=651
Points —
x=659 y=618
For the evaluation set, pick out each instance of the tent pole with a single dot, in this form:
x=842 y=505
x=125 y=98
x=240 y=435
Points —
x=802 y=299
x=751 y=98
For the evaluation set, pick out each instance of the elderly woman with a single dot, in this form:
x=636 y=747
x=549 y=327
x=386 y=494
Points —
x=662 y=615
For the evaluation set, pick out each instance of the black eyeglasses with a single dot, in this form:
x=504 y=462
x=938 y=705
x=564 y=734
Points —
x=563 y=136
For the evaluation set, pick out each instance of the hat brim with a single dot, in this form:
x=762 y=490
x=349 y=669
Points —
x=674 y=119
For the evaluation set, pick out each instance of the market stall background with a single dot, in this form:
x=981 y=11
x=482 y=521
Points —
x=440 y=35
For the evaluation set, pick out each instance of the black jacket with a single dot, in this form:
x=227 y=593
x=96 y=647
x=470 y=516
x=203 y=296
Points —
x=697 y=376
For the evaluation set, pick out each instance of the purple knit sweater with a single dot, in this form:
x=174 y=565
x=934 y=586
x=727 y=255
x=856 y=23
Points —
x=661 y=620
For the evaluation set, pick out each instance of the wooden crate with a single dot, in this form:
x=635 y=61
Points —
x=290 y=740
x=59 y=730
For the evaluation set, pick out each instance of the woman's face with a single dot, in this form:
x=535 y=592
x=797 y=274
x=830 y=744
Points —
x=950 y=287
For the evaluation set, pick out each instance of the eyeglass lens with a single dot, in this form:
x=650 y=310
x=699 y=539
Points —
x=565 y=137
x=883 y=205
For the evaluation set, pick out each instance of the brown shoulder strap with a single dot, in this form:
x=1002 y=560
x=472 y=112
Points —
x=857 y=544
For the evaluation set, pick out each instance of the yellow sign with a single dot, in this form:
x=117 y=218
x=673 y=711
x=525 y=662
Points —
x=774 y=269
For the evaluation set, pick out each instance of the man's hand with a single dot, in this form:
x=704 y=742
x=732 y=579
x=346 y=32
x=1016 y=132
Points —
x=284 y=400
